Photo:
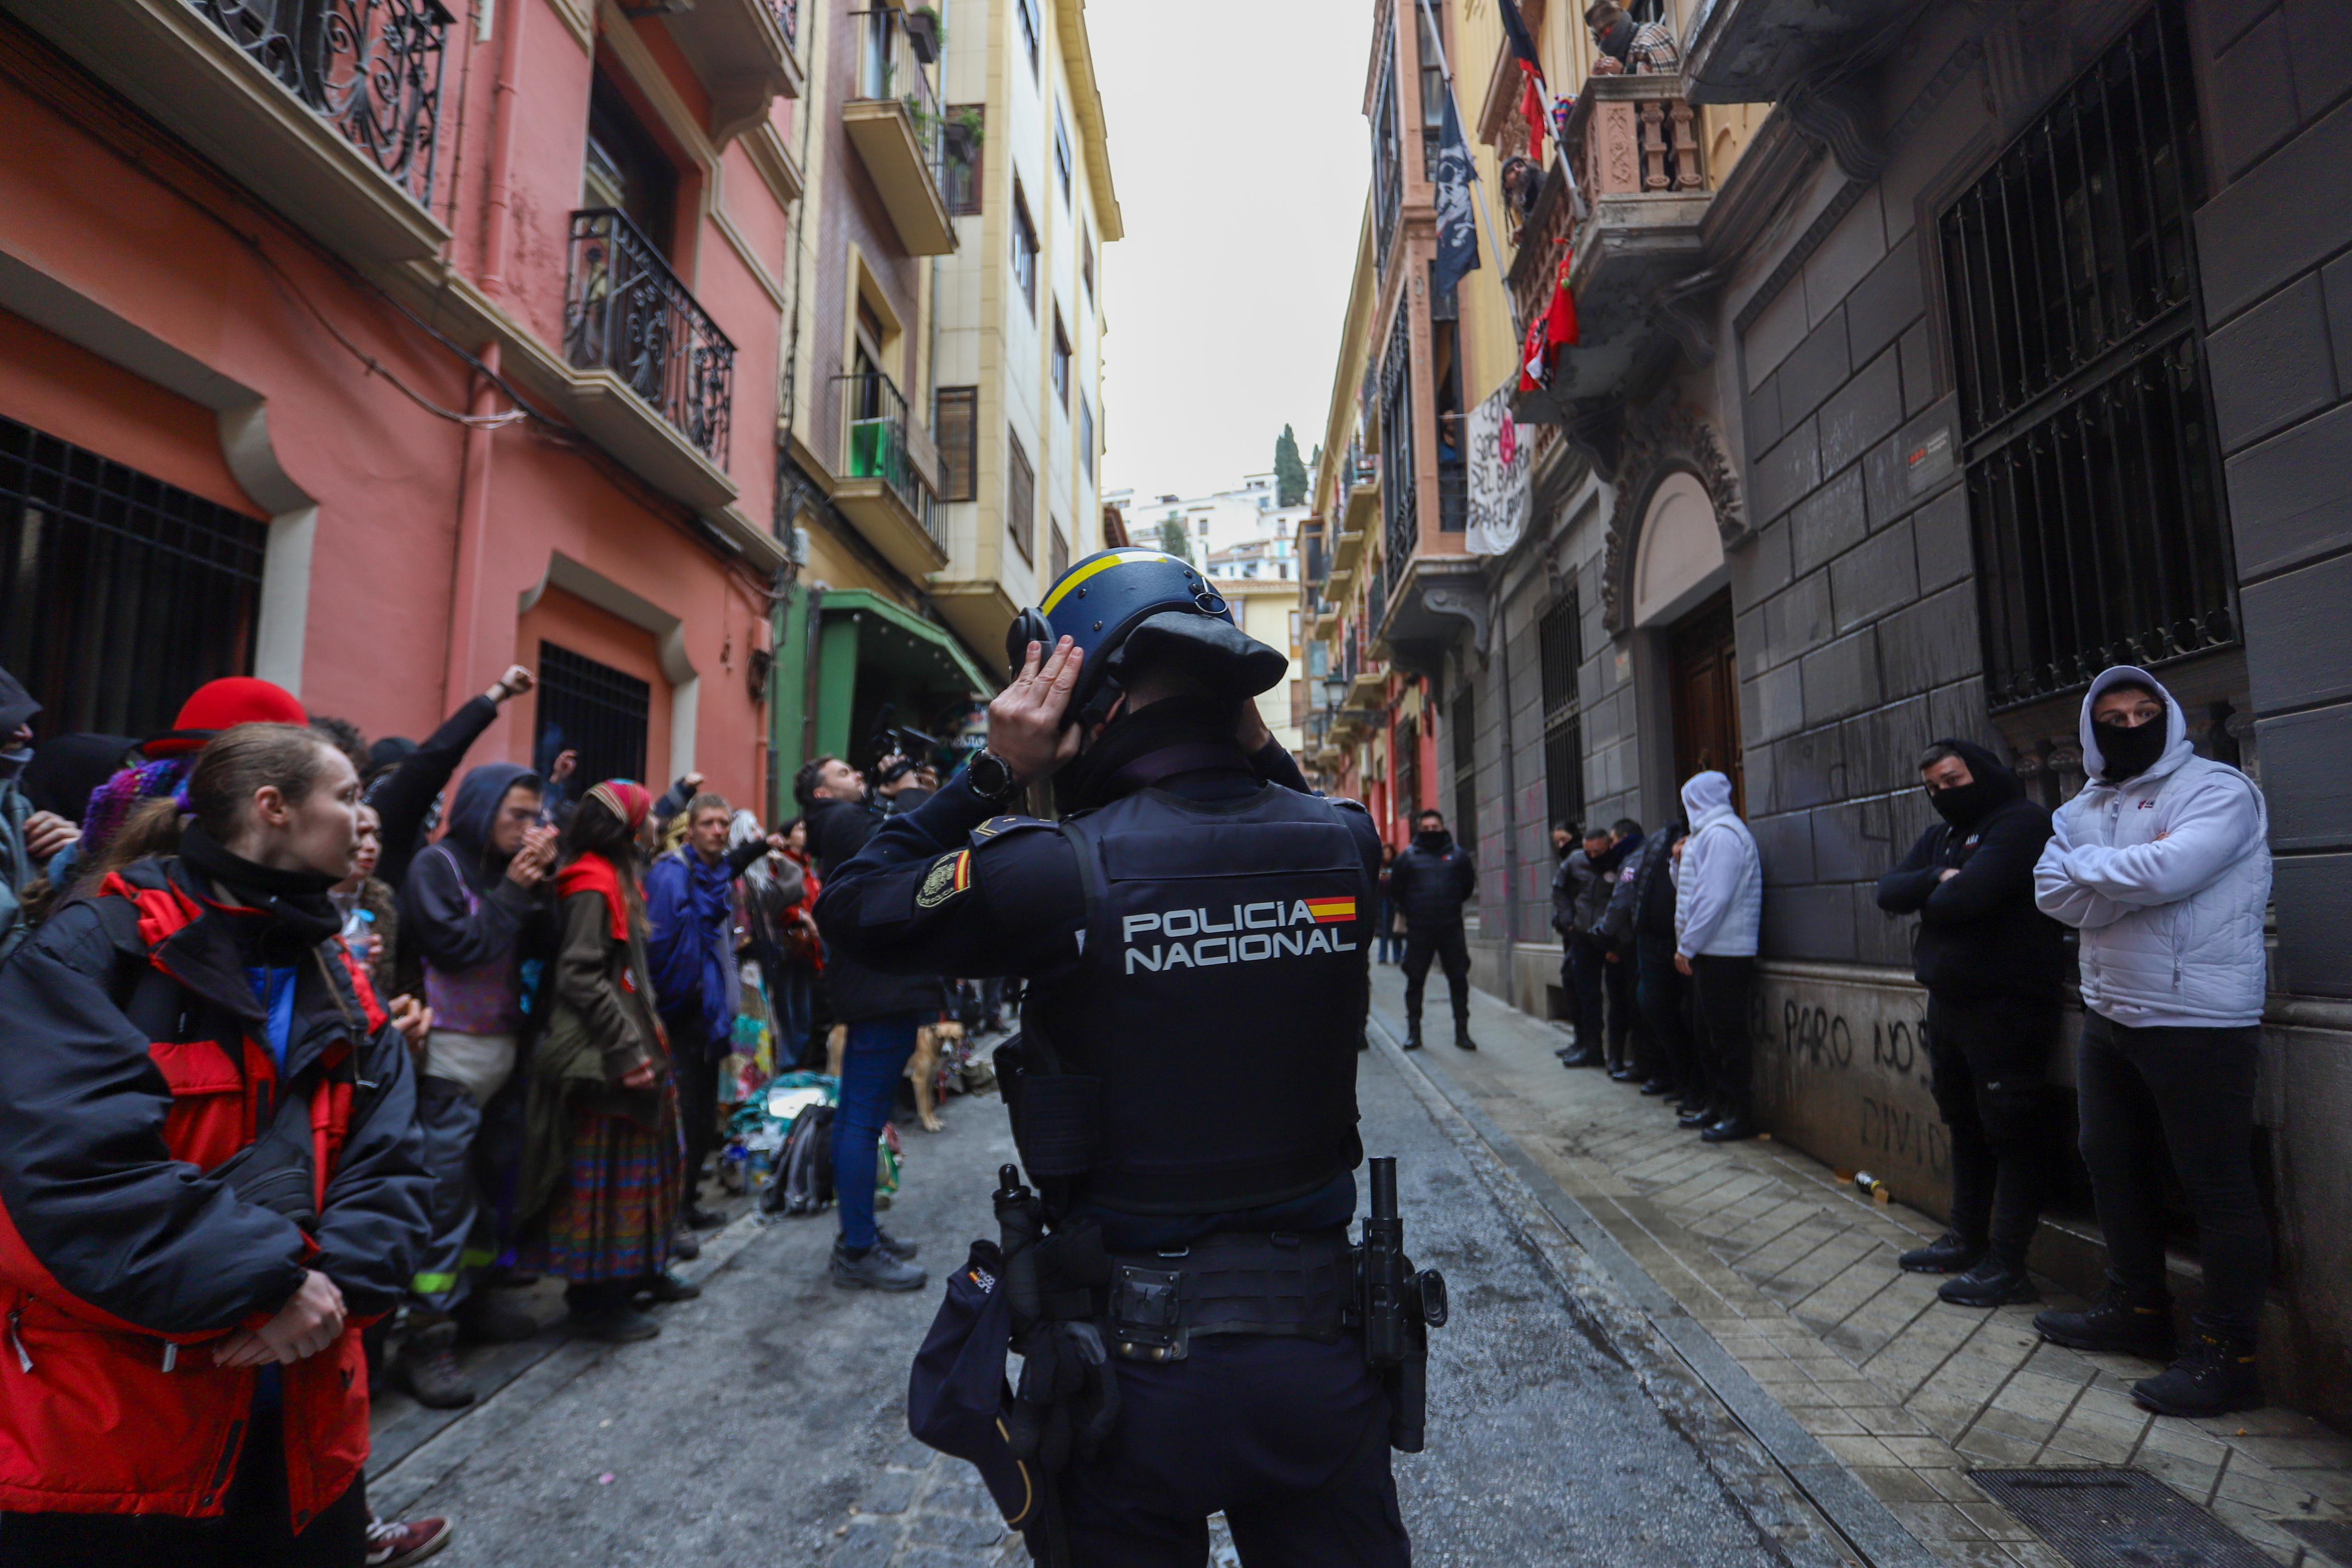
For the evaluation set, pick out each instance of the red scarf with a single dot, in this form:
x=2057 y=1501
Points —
x=594 y=873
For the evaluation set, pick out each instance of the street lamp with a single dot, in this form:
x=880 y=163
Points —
x=1335 y=690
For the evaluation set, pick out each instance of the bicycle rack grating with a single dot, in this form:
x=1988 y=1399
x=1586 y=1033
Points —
x=2118 y=1519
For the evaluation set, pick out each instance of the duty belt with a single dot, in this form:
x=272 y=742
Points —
x=1290 y=1284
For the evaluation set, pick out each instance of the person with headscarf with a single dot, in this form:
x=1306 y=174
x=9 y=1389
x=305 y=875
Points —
x=1992 y=964
x=473 y=913
x=602 y=1174
x=2163 y=863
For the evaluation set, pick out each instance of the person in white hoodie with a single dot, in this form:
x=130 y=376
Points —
x=1718 y=903
x=2163 y=863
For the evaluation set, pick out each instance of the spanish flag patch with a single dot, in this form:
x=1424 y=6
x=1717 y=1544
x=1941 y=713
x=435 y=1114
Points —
x=949 y=875
x=1328 y=910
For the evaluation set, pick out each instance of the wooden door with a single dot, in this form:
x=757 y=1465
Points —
x=1702 y=664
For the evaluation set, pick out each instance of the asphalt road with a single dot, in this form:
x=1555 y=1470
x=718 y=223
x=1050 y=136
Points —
x=766 y=1425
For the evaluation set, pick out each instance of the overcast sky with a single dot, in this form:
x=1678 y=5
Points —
x=1238 y=145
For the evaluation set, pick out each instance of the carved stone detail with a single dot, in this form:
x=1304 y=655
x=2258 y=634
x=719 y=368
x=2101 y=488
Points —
x=1463 y=602
x=1671 y=438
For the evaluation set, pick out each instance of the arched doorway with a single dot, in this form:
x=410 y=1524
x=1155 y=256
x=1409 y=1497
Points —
x=1680 y=594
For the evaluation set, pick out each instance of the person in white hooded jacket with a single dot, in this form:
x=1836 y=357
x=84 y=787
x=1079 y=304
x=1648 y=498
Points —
x=2163 y=863
x=1719 y=905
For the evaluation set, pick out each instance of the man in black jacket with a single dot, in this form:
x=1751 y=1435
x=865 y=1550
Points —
x=883 y=1012
x=1431 y=882
x=1992 y=964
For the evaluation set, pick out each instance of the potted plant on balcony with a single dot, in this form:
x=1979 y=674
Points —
x=924 y=32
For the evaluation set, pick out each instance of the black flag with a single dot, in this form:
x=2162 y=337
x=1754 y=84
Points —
x=1457 y=226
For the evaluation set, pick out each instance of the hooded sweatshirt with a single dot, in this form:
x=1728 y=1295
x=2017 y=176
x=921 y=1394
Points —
x=1719 y=891
x=1979 y=935
x=2167 y=874
x=467 y=919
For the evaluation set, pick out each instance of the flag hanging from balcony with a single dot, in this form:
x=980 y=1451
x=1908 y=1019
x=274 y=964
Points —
x=1550 y=329
x=1457 y=222
x=1498 y=477
x=1531 y=91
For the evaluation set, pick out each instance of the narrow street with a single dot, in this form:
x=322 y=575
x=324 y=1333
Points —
x=766 y=1425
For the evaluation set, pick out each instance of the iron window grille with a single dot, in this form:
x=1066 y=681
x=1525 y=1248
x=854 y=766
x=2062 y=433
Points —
x=1020 y=499
x=875 y=445
x=119 y=593
x=1397 y=496
x=627 y=313
x=956 y=422
x=372 y=68
x=2093 y=471
x=593 y=709
x=1560 y=637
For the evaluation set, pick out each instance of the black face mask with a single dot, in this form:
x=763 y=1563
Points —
x=1962 y=804
x=2130 y=750
x=1434 y=839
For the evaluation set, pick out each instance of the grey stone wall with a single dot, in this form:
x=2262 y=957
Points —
x=2274 y=245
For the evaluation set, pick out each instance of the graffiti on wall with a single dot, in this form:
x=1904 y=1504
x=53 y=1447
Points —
x=1841 y=1069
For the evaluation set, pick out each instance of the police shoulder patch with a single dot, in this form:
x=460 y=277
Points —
x=950 y=874
x=1350 y=803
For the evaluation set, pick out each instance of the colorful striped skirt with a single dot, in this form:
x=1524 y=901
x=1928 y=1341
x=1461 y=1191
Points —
x=611 y=1217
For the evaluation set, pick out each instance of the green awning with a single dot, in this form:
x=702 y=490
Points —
x=896 y=639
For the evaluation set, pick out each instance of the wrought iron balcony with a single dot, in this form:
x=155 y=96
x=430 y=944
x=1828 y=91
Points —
x=885 y=483
x=369 y=68
x=895 y=121
x=627 y=313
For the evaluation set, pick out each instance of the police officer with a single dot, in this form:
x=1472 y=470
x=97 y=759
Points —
x=1431 y=882
x=1195 y=934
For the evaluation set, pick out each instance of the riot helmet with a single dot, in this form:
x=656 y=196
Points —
x=1125 y=608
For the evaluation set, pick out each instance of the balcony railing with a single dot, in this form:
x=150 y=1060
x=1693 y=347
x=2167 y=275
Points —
x=628 y=313
x=878 y=444
x=369 y=68
x=891 y=58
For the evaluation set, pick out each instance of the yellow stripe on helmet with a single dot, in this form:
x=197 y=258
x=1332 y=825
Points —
x=1116 y=558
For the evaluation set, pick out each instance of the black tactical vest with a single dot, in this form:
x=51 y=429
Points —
x=1220 y=1000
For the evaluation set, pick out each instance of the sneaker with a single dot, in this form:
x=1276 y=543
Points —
x=615 y=1325
x=426 y=1366
x=902 y=1251
x=495 y=1319
x=2115 y=1324
x=397 y=1544
x=1993 y=1283
x=874 y=1270
x=1950 y=1253
x=1730 y=1130
x=667 y=1287
x=2215 y=1376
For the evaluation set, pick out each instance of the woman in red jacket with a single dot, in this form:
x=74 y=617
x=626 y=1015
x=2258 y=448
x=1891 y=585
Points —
x=209 y=1185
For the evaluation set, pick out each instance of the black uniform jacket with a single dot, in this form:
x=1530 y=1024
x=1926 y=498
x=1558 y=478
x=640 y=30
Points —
x=1980 y=932
x=1431 y=885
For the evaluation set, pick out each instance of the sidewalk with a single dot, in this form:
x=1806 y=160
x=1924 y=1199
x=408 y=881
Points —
x=1793 y=1275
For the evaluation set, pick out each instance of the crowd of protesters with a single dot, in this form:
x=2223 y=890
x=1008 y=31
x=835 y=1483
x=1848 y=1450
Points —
x=428 y=1036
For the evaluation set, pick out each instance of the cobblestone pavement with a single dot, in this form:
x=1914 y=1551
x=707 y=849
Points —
x=1795 y=1277
x=766 y=1425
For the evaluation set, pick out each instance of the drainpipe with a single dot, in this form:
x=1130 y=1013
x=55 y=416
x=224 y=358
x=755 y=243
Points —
x=498 y=220
x=460 y=678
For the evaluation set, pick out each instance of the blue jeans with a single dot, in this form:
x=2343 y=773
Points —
x=872 y=1061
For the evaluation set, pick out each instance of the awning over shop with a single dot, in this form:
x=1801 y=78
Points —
x=874 y=653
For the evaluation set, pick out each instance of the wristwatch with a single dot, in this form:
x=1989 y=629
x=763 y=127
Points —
x=991 y=780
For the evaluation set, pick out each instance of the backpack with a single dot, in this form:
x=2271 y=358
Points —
x=803 y=1178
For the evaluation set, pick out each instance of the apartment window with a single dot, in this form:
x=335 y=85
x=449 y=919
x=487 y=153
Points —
x=962 y=137
x=1026 y=10
x=1388 y=177
x=1087 y=436
x=1062 y=154
x=1461 y=720
x=119 y=593
x=1061 y=362
x=1403 y=519
x=1024 y=249
x=626 y=169
x=1020 y=499
x=1086 y=259
x=1057 y=553
x=2094 y=476
x=955 y=422
x=1560 y=638
x=593 y=709
x=1432 y=97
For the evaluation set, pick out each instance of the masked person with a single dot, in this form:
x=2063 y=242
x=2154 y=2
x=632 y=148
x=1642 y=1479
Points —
x=473 y=911
x=1718 y=909
x=1629 y=47
x=1431 y=882
x=2163 y=863
x=1992 y=965
x=1195 y=933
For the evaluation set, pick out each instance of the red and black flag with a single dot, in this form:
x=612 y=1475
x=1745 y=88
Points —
x=1531 y=98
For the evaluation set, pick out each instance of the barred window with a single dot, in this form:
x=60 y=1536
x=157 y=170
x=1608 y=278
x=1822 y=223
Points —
x=119 y=594
x=2093 y=471
x=956 y=424
x=1560 y=637
x=593 y=709
x=1397 y=496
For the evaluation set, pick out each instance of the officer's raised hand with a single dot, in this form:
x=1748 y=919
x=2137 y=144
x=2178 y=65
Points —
x=1025 y=723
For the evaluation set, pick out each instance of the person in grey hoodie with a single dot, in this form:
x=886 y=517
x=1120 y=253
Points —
x=2163 y=863
x=1719 y=905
